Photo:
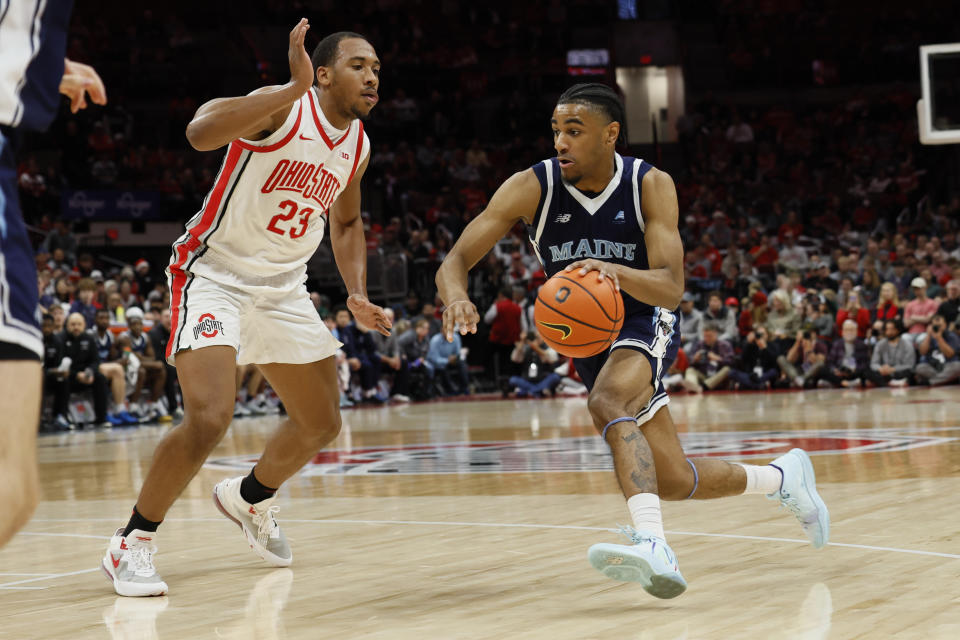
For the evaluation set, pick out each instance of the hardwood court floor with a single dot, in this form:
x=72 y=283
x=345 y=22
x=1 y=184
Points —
x=472 y=520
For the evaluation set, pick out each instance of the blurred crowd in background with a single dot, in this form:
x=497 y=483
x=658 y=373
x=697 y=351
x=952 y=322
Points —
x=821 y=239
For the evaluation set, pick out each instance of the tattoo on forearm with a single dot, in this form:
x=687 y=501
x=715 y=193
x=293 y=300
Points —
x=630 y=437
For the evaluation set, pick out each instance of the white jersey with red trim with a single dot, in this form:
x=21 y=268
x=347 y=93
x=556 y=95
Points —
x=266 y=213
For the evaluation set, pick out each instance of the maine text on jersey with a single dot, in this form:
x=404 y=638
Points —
x=311 y=180
x=595 y=248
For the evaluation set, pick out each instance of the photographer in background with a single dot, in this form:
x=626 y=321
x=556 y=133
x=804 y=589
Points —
x=757 y=368
x=538 y=362
x=938 y=352
x=803 y=362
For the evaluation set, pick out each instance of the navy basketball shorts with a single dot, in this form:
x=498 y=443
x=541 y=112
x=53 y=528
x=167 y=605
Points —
x=20 y=337
x=656 y=336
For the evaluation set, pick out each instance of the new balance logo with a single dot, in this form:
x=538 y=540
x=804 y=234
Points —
x=619 y=217
x=563 y=217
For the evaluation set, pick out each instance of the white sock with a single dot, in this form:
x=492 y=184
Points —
x=645 y=511
x=765 y=479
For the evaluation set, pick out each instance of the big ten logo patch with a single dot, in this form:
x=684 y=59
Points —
x=207 y=326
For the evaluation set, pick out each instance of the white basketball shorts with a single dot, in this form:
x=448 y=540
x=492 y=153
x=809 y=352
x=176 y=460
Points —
x=265 y=323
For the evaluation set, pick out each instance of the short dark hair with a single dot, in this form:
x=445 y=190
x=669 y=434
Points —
x=325 y=53
x=601 y=97
x=340 y=307
x=715 y=294
x=101 y=310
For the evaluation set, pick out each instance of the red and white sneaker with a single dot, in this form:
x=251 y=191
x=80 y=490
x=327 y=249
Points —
x=128 y=563
x=257 y=521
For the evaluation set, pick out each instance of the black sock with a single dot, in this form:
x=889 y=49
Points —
x=252 y=491
x=137 y=521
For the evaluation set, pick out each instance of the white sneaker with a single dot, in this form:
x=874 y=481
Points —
x=399 y=397
x=898 y=382
x=128 y=563
x=649 y=561
x=240 y=410
x=257 y=521
x=798 y=493
x=252 y=407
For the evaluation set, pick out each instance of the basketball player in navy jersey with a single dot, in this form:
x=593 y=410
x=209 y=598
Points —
x=33 y=70
x=592 y=210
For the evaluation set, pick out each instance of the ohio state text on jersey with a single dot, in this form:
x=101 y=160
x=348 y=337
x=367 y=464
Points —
x=266 y=213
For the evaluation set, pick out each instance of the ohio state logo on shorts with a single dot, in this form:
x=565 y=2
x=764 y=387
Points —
x=207 y=326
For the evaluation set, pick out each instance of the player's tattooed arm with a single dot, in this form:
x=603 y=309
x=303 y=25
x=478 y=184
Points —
x=662 y=284
x=259 y=113
x=515 y=201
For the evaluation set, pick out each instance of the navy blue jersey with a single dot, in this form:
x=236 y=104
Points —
x=570 y=225
x=137 y=344
x=104 y=345
x=33 y=34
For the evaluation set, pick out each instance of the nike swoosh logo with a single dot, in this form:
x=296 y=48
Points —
x=303 y=137
x=115 y=561
x=562 y=328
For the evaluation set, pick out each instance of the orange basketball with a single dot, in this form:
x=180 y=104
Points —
x=577 y=315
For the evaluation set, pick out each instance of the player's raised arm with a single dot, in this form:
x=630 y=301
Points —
x=515 y=200
x=258 y=114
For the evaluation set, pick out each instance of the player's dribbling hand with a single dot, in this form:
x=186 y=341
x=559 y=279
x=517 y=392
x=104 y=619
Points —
x=462 y=314
x=78 y=81
x=368 y=314
x=606 y=269
x=301 y=69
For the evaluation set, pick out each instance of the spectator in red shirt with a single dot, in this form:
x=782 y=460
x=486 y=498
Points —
x=888 y=304
x=764 y=254
x=854 y=310
x=791 y=226
x=505 y=319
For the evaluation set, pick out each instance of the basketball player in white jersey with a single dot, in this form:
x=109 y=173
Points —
x=295 y=156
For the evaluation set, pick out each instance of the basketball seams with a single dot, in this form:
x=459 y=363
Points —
x=569 y=317
x=590 y=293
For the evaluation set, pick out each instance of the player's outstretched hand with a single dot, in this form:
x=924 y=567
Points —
x=368 y=314
x=301 y=69
x=461 y=314
x=78 y=81
x=606 y=269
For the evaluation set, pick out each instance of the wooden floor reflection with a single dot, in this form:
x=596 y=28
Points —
x=472 y=520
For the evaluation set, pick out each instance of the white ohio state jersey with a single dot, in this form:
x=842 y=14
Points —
x=266 y=213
